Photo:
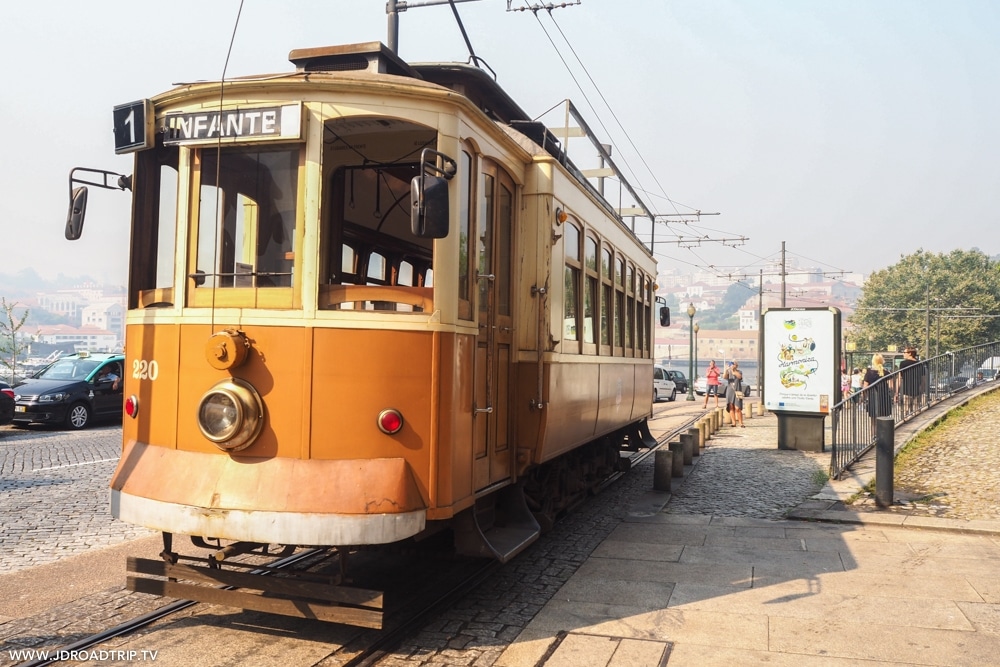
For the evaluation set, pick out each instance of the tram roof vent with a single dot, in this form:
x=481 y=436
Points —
x=373 y=57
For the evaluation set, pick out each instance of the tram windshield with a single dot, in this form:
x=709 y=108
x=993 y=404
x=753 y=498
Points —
x=246 y=216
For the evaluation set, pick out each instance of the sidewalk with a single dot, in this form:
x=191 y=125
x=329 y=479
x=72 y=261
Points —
x=679 y=583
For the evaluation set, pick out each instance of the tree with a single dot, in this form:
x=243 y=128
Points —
x=9 y=344
x=895 y=303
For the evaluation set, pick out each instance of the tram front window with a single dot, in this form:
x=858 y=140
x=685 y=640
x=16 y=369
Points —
x=373 y=261
x=246 y=216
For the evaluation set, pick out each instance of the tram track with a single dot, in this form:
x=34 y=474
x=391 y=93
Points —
x=143 y=620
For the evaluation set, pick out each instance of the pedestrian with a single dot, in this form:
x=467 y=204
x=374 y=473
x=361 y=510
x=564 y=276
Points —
x=845 y=385
x=857 y=377
x=734 y=395
x=878 y=390
x=911 y=380
x=712 y=383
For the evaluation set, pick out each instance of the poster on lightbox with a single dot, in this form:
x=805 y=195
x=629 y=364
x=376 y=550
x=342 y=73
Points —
x=800 y=355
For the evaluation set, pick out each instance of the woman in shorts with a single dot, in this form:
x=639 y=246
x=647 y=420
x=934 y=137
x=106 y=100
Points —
x=712 y=383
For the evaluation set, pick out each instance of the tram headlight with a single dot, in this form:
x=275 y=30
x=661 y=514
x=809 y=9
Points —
x=231 y=414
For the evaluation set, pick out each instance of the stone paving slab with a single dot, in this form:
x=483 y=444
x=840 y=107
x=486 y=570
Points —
x=721 y=576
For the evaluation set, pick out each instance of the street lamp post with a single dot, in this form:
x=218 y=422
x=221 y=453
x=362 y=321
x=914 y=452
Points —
x=696 y=327
x=691 y=312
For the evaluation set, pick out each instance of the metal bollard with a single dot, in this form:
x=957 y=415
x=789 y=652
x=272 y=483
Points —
x=885 y=435
x=689 y=445
x=662 y=469
x=677 y=450
x=695 y=434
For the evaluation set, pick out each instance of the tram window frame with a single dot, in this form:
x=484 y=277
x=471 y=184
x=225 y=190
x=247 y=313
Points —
x=152 y=266
x=619 y=298
x=630 y=310
x=607 y=300
x=466 y=236
x=591 y=302
x=572 y=292
x=239 y=287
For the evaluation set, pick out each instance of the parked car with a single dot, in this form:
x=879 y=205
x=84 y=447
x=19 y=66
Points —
x=680 y=380
x=6 y=403
x=955 y=383
x=700 y=385
x=988 y=374
x=73 y=390
x=663 y=386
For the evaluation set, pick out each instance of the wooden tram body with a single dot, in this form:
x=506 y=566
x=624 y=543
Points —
x=284 y=318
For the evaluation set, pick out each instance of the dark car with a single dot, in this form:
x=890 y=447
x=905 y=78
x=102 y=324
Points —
x=73 y=390
x=6 y=403
x=955 y=383
x=679 y=379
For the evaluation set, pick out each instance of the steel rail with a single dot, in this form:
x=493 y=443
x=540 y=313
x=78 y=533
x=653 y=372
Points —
x=145 y=619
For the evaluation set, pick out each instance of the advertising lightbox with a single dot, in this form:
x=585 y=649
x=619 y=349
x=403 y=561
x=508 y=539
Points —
x=801 y=356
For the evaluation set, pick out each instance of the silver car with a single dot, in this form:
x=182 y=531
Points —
x=663 y=386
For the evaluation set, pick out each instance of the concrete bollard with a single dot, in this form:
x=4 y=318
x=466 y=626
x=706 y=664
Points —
x=662 y=469
x=885 y=438
x=689 y=446
x=703 y=430
x=677 y=451
x=696 y=444
x=748 y=413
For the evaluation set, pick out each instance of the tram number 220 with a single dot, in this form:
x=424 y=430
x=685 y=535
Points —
x=145 y=370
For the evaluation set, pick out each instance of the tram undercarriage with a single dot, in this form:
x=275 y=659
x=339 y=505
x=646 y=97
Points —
x=499 y=526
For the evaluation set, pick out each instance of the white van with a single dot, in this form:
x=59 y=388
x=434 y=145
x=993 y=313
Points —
x=663 y=386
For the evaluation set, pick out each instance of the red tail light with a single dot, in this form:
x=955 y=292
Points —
x=132 y=406
x=390 y=421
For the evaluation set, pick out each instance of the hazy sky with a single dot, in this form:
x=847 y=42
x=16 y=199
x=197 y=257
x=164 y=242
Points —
x=854 y=131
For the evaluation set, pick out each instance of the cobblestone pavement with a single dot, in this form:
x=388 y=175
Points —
x=953 y=469
x=742 y=473
x=54 y=494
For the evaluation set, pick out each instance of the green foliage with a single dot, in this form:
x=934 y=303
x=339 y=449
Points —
x=896 y=301
x=10 y=346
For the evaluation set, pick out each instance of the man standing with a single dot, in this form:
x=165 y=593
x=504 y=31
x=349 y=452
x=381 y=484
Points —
x=911 y=384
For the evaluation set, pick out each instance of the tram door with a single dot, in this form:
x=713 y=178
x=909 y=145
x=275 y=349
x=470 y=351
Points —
x=494 y=345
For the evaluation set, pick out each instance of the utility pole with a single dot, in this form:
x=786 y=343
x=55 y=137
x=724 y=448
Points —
x=783 y=274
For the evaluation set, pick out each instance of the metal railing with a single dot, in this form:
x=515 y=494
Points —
x=853 y=419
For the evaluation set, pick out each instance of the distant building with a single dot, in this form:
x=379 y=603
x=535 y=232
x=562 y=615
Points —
x=105 y=314
x=73 y=339
x=712 y=344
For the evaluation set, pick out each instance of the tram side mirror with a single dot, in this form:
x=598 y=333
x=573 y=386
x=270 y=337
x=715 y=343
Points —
x=77 y=211
x=664 y=316
x=429 y=210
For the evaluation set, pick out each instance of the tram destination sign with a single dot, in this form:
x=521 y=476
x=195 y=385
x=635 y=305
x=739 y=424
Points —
x=273 y=122
x=133 y=126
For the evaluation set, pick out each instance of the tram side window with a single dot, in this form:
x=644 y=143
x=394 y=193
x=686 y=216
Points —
x=571 y=284
x=630 y=312
x=246 y=221
x=465 y=237
x=590 y=301
x=606 y=305
x=155 y=228
x=620 y=303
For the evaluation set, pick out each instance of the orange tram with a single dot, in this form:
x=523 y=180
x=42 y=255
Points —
x=368 y=300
